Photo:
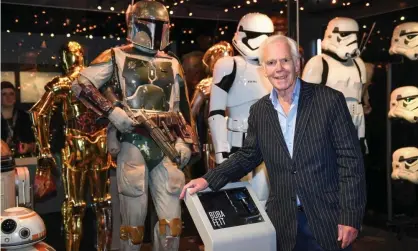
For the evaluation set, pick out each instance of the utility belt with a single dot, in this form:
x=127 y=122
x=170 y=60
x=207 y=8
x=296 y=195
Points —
x=174 y=126
x=237 y=125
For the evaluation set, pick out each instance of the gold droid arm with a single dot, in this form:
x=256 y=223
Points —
x=182 y=105
x=41 y=117
x=41 y=114
x=200 y=95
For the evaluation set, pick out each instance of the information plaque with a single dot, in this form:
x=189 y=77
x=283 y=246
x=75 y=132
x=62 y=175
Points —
x=231 y=219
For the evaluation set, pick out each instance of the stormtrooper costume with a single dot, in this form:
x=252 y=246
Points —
x=405 y=164
x=238 y=82
x=340 y=67
x=152 y=82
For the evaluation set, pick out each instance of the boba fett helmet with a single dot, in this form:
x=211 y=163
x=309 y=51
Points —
x=148 y=25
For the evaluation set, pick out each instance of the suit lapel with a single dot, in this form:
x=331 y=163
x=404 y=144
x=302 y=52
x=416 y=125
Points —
x=304 y=110
x=273 y=119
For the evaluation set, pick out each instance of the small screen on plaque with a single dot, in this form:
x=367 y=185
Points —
x=230 y=208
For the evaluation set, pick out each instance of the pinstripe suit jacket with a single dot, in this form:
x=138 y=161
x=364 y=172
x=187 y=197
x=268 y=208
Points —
x=326 y=170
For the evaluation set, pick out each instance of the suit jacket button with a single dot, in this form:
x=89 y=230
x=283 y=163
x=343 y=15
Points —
x=294 y=171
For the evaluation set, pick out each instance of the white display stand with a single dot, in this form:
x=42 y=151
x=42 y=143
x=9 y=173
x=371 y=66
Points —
x=231 y=219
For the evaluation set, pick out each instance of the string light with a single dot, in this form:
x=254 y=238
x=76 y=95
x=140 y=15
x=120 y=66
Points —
x=226 y=10
x=8 y=31
x=118 y=38
x=367 y=4
x=334 y=1
x=254 y=1
x=402 y=18
x=281 y=12
x=171 y=12
x=99 y=7
x=68 y=35
x=29 y=33
x=175 y=3
x=112 y=9
x=52 y=35
x=91 y=36
x=190 y=14
x=248 y=2
x=192 y=41
x=364 y=26
x=301 y=8
x=42 y=34
x=17 y=20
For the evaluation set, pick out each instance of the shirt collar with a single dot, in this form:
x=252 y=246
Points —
x=295 y=95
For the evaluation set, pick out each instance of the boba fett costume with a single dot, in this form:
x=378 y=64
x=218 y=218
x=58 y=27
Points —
x=123 y=84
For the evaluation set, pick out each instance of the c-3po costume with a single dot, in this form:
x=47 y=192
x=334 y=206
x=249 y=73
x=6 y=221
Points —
x=84 y=155
x=140 y=89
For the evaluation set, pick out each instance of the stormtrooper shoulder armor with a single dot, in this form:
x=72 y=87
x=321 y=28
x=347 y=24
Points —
x=224 y=73
x=312 y=73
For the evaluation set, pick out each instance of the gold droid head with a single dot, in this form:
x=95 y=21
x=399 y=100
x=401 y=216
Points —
x=214 y=53
x=72 y=55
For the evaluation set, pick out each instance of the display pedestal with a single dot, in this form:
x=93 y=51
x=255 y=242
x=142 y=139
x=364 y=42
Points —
x=231 y=219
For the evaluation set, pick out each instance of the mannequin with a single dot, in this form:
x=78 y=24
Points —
x=340 y=67
x=142 y=91
x=201 y=96
x=84 y=155
x=238 y=82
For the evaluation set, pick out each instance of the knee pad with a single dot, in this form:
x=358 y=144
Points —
x=175 y=179
x=174 y=225
x=134 y=234
x=131 y=181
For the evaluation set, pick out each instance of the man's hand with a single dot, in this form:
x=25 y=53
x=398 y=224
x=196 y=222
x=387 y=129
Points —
x=196 y=185
x=346 y=235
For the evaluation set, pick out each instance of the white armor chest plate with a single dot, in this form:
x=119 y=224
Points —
x=344 y=77
x=249 y=85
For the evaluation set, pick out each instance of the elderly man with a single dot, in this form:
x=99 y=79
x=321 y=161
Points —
x=305 y=135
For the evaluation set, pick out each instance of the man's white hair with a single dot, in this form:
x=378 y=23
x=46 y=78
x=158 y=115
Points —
x=275 y=38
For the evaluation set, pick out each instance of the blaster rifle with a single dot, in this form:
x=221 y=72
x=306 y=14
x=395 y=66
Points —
x=141 y=119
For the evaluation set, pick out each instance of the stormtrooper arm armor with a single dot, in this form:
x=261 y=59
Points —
x=223 y=78
x=313 y=70
x=363 y=78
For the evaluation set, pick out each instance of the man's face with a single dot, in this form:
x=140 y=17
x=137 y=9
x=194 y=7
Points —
x=8 y=97
x=279 y=65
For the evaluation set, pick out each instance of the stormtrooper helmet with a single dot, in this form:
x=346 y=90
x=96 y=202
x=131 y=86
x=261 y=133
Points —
x=252 y=30
x=404 y=103
x=405 y=164
x=405 y=40
x=148 y=25
x=341 y=38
